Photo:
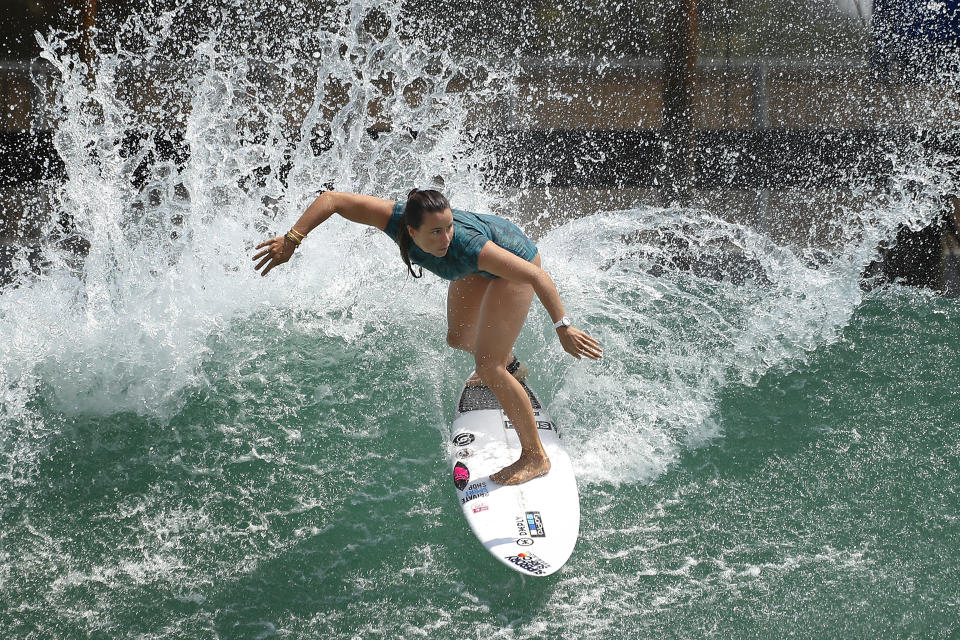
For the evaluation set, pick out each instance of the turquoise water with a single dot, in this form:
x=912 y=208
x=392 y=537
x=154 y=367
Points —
x=188 y=450
x=300 y=489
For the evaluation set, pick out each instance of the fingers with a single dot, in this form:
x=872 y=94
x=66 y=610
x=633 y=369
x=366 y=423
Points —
x=590 y=347
x=268 y=251
x=271 y=255
x=580 y=344
x=592 y=352
x=263 y=262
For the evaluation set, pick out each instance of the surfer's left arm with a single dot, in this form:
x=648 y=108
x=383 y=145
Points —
x=500 y=262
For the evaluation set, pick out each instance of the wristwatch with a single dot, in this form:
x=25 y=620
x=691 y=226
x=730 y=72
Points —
x=562 y=322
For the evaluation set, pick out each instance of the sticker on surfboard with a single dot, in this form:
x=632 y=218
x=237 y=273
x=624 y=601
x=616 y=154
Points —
x=531 y=528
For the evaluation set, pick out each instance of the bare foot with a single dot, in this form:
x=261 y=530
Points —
x=522 y=471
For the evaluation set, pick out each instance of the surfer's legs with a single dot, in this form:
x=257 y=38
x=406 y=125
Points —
x=502 y=314
x=464 y=299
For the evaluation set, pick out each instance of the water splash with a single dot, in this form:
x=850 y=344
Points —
x=193 y=139
x=187 y=144
x=284 y=473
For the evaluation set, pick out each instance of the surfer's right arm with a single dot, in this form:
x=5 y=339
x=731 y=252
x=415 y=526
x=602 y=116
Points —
x=355 y=207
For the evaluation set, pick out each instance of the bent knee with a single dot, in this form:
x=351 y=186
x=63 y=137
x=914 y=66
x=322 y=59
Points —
x=458 y=341
x=490 y=371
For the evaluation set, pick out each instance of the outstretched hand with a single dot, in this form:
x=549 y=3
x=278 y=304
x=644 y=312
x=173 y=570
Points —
x=579 y=344
x=275 y=251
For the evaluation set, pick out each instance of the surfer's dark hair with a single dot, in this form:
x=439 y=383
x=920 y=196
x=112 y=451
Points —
x=419 y=202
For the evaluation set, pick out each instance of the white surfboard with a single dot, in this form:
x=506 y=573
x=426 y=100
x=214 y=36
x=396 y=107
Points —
x=533 y=527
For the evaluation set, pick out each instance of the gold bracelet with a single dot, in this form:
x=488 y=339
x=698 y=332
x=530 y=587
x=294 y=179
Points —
x=292 y=238
x=297 y=234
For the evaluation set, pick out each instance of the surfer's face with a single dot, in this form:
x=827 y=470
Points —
x=435 y=232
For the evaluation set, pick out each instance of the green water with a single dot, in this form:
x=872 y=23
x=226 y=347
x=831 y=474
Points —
x=302 y=491
x=188 y=450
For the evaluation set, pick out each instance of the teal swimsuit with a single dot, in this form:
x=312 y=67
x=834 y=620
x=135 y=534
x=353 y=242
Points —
x=470 y=232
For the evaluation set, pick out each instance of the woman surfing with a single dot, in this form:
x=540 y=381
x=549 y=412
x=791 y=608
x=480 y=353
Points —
x=494 y=272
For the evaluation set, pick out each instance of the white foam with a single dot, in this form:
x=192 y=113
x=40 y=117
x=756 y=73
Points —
x=169 y=266
x=169 y=263
x=676 y=333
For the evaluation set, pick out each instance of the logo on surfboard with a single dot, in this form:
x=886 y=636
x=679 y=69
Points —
x=535 y=524
x=529 y=562
x=461 y=476
x=542 y=425
x=474 y=491
x=463 y=439
x=530 y=524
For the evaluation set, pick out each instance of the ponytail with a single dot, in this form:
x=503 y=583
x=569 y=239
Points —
x=418 y=202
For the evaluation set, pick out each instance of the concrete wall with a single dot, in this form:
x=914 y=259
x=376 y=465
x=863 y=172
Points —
x=734 y=95
x=17 y=97
x=737 y=94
